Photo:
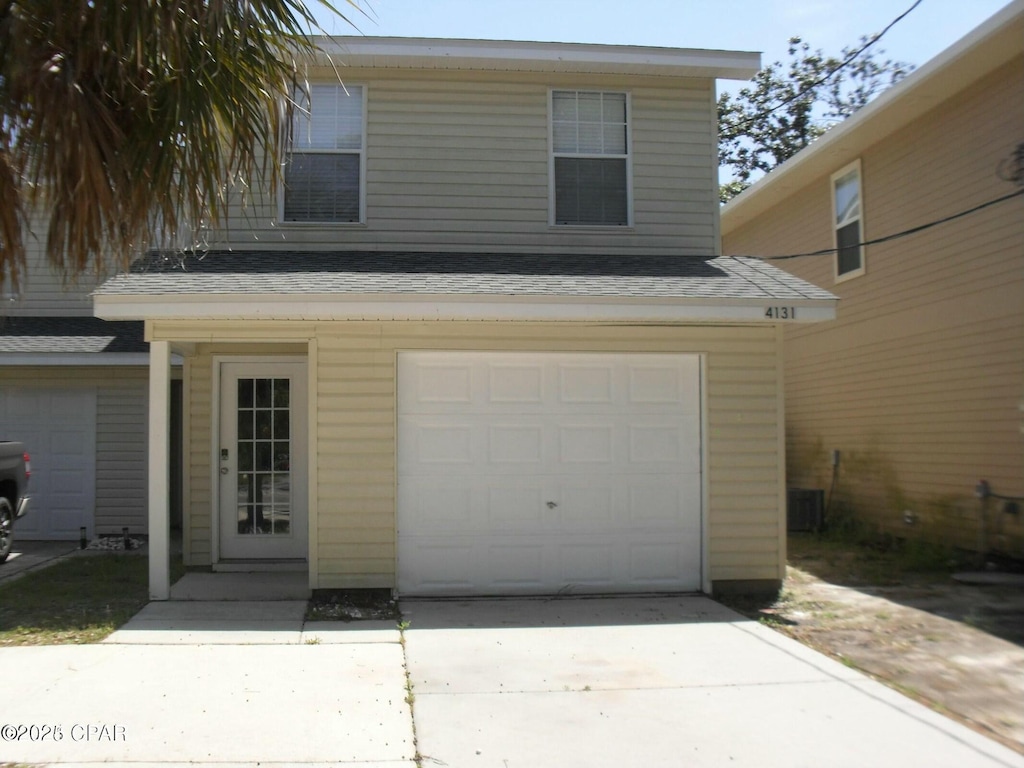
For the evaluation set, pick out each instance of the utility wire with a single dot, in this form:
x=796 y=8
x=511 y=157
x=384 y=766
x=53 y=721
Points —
x=824 y=79
x=897 y=235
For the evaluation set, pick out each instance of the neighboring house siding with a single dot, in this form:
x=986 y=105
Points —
x=121 y=447
x=920 y=380
x=120 y=436
x=42 y=290
x=461 y=161
x=354 y=429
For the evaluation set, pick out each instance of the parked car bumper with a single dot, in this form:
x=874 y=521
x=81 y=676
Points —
x=22 y=507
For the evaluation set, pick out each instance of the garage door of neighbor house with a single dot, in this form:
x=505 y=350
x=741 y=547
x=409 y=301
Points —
x=58 y=428
x=537 y=473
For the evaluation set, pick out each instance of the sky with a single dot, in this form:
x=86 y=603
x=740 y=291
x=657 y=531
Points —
x=742 y=25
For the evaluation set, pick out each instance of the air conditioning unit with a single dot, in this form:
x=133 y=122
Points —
x=805 y=509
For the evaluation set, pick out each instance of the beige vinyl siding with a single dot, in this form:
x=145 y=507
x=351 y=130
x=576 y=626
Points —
x=354 y=424
x=121 y=450
x=197 y=497
x=121 y=446
x=920 y=380
x=460 y=161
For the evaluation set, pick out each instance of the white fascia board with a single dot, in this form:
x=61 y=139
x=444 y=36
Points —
x=511 y=308
x=507 y=55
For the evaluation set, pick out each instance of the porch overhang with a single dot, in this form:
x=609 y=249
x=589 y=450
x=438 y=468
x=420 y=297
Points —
x=272 y=285
x=447 y=307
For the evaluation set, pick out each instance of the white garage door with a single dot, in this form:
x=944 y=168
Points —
x=539 y=473
x=58 y=428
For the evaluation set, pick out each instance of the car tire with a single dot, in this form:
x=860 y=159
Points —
x=6 y=528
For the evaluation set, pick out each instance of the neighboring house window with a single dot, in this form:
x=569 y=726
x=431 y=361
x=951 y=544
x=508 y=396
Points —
x=590 y=157
x=847 y=207
x=324 y=169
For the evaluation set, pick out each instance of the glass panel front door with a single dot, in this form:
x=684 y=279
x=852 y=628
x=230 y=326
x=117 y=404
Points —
x=262 y=462
x=263 y=449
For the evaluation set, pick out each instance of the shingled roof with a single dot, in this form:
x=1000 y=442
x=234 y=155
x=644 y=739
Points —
x=70 y=335
x=362 y=273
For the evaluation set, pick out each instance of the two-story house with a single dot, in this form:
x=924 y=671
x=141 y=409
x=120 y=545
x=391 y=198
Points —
x=914 y=395
x=481 y=340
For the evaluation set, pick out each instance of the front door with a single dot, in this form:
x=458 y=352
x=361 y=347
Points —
x=262 y=461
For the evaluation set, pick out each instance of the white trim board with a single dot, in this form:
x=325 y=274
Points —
x=314 y=307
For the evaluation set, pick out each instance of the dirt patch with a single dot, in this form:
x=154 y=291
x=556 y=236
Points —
x=957 y=647
x=352 y=605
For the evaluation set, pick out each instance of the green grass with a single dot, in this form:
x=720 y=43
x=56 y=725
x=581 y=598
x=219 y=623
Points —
x=78 y=600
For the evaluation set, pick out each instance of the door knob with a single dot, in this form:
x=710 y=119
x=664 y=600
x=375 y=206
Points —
x=223 y=470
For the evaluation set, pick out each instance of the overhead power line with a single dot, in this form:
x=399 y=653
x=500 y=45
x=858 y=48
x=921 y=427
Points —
x=828 y=75
x=897 y=235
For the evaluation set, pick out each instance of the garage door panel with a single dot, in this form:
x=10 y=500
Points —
x=58 y=428
x=587 y=384
x=442 y=444
x=588 y=507
x=429 y=503
x=651 y=384
x=589 y=564
x=657 y=565
x=440 y=384
x=519 y=384
x=513 y=565
x=510 y=507
x=64 y=521
x=450 y=564
x=578 y=473
x=514 y=444
x=586 y=444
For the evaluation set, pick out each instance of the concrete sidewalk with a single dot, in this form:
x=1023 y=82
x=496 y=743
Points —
x=214 y=683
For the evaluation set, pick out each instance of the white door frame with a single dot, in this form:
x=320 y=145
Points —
x=299 y=447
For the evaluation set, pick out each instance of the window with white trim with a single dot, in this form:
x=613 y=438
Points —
x=847 y=212
x=590 y=158
x=323 y=174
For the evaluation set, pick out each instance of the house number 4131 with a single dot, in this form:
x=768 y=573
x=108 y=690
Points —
x=780 y=313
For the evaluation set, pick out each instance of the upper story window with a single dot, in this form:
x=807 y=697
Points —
x=590 y=158
x=324 y=170
x=847 y=213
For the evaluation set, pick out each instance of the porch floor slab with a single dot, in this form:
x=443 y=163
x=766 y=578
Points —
x=247 y=586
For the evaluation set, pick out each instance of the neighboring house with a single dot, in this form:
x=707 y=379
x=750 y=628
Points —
x=920 y=382
x=481 y=342
x=73 y=389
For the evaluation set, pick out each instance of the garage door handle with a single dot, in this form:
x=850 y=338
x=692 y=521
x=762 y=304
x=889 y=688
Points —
x=552 y=505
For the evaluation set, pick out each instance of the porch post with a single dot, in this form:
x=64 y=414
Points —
x=159 y=470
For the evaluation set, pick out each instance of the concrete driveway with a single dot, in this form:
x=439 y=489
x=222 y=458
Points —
x=666 y=681
x=645 y=681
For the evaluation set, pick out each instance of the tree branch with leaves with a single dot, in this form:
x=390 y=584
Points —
x=788 y=106
x=124 y=123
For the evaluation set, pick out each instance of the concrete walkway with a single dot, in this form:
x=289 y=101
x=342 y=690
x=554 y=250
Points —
x=659 y=681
